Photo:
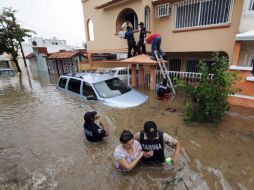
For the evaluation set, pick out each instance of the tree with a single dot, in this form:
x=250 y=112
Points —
x=11 y=34
x=208 y=99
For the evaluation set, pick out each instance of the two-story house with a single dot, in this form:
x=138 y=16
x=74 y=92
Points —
x=191 y=30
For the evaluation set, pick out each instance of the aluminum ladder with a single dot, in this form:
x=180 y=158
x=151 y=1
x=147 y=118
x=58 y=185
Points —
x=164 y=70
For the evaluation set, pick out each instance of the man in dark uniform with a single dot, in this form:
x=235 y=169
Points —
x=94 y=132
x=163 y=88
x=142 y=37
x=153 y=143
x=131 y=41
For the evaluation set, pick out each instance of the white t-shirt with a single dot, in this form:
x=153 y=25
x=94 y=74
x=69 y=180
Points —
x=121 y=153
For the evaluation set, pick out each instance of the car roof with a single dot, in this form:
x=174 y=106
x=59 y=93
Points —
x=119 y=68
x=91 y=77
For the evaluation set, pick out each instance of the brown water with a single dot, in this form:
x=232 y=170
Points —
x=42 y=144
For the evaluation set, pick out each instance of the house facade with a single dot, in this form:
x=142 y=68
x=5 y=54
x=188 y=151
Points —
x=243 y=61
x=37 y=59
x=64 y=61
x=191 y=30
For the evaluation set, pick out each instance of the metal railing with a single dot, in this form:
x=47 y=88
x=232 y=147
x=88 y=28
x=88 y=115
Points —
x=190 y=76
x=201 y=13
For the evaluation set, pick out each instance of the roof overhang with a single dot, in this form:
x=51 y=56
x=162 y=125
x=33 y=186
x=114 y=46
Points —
x=142 y=59
x=158 y=2
x=247 y=36
x=110 y=4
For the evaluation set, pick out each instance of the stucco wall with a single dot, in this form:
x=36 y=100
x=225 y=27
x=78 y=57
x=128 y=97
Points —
x=104 y=21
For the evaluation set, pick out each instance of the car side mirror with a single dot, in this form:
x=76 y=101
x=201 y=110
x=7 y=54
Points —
x=91 y=97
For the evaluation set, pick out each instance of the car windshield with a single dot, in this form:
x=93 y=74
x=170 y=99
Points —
x=111 y=88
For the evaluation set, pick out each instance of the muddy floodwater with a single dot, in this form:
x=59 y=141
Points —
x=42 y=144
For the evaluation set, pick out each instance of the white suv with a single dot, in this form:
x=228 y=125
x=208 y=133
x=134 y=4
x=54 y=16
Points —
x=120 y=72
x=102 y=87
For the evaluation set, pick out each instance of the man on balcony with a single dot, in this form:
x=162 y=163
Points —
x=155 y=41
x=142 y=36
x=131 y=41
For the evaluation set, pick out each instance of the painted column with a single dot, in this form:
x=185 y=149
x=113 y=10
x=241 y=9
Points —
x=152 y=77
x=141 y=75
x=237 y=52
x=133 y=76
x=90 y=58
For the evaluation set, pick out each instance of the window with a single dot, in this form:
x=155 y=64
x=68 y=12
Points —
x=252 y=62
x=251 y=5
x=122 y=72
x=147 y=18
x=202 y=13
x=174 y=64
x=163 y=10
x=127 y=14
x=74 y=85
x=62 y=82
x=192 y=66
x=88 y=90
x=34 y=43
x=90 y=30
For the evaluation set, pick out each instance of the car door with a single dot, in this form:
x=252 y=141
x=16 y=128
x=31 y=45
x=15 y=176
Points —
x=74 y=86
x=88 y=92
x=62 y=83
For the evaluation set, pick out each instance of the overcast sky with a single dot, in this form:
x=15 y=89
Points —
x=60 y=18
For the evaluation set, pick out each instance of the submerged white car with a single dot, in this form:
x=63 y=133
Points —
x=7 y=72
x=106 y=88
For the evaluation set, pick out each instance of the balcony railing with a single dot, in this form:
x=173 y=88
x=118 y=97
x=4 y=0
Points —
x=201 y=13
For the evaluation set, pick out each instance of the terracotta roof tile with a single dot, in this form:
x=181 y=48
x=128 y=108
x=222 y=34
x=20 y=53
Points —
x=30 y=56
x=109 y=3
x=63 y=55
x=141 y=59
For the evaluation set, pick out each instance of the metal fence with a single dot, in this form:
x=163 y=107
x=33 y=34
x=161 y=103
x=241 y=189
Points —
x=188 y=76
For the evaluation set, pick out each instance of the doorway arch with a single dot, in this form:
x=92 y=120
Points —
x=127 y=14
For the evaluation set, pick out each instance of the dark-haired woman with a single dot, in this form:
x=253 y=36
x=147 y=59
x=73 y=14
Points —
x=128 y=153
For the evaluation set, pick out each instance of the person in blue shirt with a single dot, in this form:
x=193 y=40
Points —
x=92 y=131
x=131 y=41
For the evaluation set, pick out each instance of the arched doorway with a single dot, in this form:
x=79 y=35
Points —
x=127 y=14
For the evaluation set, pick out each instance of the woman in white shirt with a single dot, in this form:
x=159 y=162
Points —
x=128 y=153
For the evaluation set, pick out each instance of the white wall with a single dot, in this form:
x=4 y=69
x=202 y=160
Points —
x=247 y=18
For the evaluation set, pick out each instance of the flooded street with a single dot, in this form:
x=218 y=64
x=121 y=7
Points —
x=42 y=144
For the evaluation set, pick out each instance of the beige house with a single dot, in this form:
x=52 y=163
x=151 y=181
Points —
x=190 y=29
